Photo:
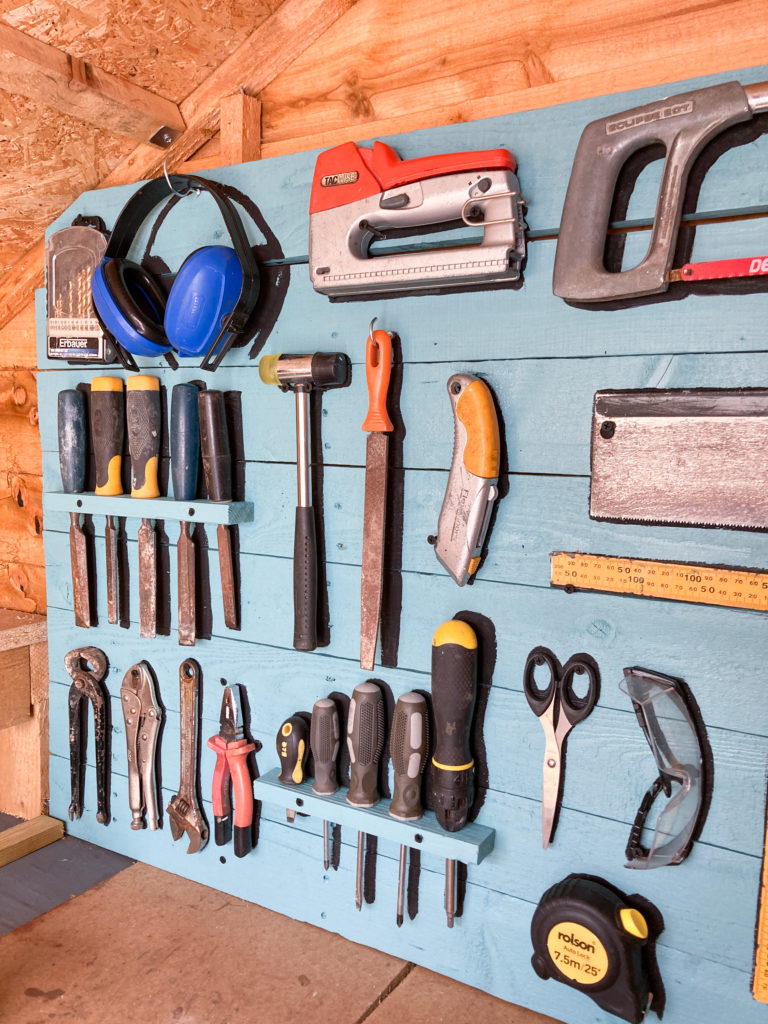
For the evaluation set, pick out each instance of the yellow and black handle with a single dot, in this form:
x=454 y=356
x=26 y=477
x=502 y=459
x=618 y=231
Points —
x=142 y=409
x=292 y=750
x=454 y=691
x=108 y=433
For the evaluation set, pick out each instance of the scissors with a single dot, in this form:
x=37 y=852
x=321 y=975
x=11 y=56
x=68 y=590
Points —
x=558 y=708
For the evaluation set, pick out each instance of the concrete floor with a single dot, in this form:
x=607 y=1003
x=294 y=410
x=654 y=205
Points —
x=200 y=956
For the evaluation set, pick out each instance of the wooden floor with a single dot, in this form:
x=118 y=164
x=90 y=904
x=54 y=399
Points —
x=148 y=946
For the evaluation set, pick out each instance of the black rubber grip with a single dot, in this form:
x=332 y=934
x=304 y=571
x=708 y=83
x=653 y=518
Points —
x=242 y=840
x=324 y=744
x=305 y=580
x=365 y=741
x=292 y=749
x=222 y=830
x=214 y=444
x=142 y=413
x=330 y=369
x=107 y=434
x=72 y=440
x=454 y=683
x=408 y=750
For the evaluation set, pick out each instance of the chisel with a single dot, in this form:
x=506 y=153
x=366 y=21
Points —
x=217 y=467
x=378 y=367
x=142 y=406
x=365 y=740
x=108 y=434
x=408 y=750
x=292 y=750
x=72 y=445
x=454 y=691
x=185 y=456
x=324 y=744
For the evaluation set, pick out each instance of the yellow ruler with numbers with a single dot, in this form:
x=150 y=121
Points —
x=671 y=581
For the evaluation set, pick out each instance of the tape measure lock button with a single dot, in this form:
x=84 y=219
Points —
x=633 y=922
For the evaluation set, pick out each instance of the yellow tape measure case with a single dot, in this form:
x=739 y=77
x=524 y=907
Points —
x=588 y=934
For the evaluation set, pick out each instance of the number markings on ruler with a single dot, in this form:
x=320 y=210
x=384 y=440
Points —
x=671 y=581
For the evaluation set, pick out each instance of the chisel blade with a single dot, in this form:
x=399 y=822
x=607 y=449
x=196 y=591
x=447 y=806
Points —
x=185 y=555
x=147 y=579
x=374 y=519
x=227 y=570
x=110 y=542
x=79 y=558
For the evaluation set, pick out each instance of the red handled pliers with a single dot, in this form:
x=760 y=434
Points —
x=232 y=749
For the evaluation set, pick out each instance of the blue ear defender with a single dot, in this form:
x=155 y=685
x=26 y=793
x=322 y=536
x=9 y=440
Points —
x=211 y=298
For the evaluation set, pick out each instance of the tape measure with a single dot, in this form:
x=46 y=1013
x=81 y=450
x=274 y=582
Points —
x=760 y=976
x=670 y=581
x=589 y=935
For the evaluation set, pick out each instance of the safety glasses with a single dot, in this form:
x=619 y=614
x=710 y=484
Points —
x=663 y=833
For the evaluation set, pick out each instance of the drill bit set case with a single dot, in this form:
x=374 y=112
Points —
x=543 y=359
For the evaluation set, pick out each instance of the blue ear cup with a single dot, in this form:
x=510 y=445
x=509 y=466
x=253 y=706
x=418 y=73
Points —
x=131 y=306
x=204 y=292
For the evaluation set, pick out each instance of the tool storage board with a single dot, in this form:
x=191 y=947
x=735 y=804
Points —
x=543 y=360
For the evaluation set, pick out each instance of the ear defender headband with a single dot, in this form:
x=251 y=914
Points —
x=210 y=300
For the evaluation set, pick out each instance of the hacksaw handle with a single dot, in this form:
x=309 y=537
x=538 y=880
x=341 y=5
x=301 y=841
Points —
x=683 y=124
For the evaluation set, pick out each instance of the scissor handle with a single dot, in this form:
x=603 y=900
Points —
x=540 y=699
x=576 y=708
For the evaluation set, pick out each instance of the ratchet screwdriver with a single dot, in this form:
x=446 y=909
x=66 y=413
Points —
x=454 y=691
x=324 y=744
x=365 y=740
x=408 y=749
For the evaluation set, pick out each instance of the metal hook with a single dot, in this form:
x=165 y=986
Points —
x=171 y=187
x=370 y=330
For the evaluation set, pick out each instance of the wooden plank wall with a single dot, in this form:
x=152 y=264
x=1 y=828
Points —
x=544 y=361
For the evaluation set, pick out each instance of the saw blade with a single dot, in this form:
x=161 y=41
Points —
x=687 y=457
x=374 y=519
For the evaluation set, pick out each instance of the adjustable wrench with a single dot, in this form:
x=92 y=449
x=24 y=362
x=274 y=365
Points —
x=87 y=686
x=184 y=811
x=143 y=716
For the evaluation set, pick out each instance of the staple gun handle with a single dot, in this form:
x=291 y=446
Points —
x=683 y=124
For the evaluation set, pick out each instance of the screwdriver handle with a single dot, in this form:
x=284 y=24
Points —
x=365 y=740
x=292 y=750
x=378 y=368
x=142 y=412
x=408 y=749
x=185 y=441
x=108 y=433
x=214 y=443
x=454 y=690
x=72 y=440
x=324 y=744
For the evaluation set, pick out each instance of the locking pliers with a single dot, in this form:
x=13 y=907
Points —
x=143 y=716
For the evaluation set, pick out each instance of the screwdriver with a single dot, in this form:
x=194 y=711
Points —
x=185 y=455
x=107 y=435
x=324 y=744
x=72 y=444
x=142 y=410
x=292 y=750
x=217 y=468
x=408 y=749
x=454 y=690
x=365 y=740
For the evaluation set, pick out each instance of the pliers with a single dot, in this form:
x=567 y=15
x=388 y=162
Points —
x=232 y=749
x=143 y=716
x=87 y=686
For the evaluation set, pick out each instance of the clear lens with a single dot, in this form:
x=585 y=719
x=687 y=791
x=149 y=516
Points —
x=661 y=834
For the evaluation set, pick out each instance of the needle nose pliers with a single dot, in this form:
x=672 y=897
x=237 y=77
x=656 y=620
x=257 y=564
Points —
x=232 y=749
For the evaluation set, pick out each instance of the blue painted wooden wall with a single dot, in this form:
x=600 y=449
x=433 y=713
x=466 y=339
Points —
x=544 y=362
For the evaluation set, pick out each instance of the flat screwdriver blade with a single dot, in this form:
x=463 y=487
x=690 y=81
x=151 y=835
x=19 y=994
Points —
x=79 y=558
x=110 y=542
x=374 y=521
x=185 y=556
x=227 y=570
x=147 y=579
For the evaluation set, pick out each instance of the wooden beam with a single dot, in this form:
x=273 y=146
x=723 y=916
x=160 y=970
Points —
x=39 y=71
x=270 y=49
x=28 y=836
x=240 y=129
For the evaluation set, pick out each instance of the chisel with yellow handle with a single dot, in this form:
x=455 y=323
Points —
x=108 y=434
x=472 y=482
x=142 y=407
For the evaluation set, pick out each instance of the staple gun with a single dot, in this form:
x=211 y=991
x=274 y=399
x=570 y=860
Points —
x=363 y=195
